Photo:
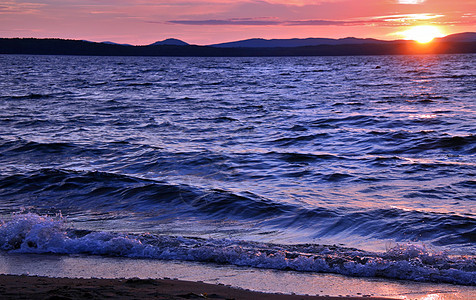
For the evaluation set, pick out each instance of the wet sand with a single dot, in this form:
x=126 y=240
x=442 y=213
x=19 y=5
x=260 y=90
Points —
x=35 y=287
x=36 y=277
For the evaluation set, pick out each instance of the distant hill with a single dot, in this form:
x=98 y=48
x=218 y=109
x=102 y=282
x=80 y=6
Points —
x=459 y=43
x=172 y=42
x=460 y=37
x=112 y=43
x=286 y=43
x=291 y=43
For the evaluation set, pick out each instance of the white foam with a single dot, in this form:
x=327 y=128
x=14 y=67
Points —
x=30 y=233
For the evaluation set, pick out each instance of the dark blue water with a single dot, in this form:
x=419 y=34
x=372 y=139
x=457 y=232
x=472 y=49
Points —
x=248 y=161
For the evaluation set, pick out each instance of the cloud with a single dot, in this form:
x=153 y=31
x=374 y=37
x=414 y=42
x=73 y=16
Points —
x=383 y=21
x=224 y=22
x=12 y=7
x=409 y=17
x=268 y=22
x=411 y=1
x=327 y=23
x=241 y=21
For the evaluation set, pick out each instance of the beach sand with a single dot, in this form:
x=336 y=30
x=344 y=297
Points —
x=33 y=287
x=40 y=276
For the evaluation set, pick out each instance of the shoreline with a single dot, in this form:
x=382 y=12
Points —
x=42 y=274
x=36 y=287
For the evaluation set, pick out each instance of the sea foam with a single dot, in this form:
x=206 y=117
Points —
x=31 y=233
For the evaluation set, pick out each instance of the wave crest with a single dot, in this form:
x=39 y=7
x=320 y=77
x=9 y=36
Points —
x=30 y=233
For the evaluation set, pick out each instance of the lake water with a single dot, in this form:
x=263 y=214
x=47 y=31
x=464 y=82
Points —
x=361 y=166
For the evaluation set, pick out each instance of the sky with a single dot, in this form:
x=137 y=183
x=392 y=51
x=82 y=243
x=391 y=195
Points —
x=142 y=22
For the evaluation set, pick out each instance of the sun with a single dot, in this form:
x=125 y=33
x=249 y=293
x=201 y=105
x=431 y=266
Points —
x=422 y=34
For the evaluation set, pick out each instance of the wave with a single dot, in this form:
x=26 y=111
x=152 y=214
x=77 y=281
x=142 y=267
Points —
x=101 y=192
x=21 y=146
x=140 y=84
x=108 y=191
x=293 y=141
x=358 y=120
x=411 y=143
x=34 y=154
x=31 y=96
x=297 y=157
x=31 y=233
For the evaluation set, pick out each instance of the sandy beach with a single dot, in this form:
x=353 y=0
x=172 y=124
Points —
x=32 y=276
x=35 y=287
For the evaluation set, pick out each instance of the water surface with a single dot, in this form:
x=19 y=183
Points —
x=247 y=161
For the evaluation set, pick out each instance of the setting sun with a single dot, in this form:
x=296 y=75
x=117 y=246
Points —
x=422 y=34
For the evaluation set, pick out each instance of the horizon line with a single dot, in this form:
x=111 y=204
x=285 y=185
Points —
x=233 y=41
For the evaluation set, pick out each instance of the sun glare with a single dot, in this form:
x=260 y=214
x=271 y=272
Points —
x=422 y=34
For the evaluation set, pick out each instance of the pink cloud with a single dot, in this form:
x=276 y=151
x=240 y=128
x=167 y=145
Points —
x=12 y=7
x=269 y=21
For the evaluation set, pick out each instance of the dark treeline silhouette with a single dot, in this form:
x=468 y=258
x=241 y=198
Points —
x=77 y=47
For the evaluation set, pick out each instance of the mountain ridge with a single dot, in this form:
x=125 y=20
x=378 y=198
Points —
x=304 y=42
x=460 y=43
x=460 y=37
x=295 y=42
x=170 y=41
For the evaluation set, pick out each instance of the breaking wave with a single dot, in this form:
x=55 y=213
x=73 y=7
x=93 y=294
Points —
x=31 y=233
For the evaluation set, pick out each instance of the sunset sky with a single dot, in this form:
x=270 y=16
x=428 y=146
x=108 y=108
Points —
x=141 y=22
